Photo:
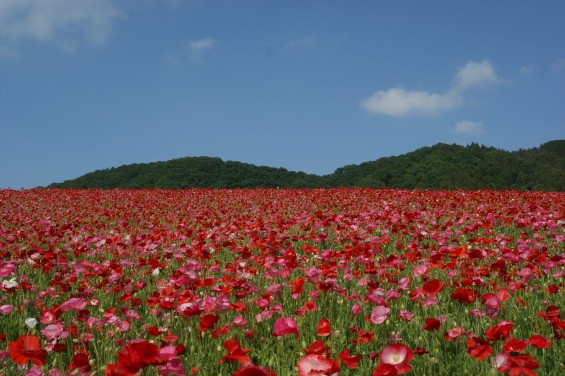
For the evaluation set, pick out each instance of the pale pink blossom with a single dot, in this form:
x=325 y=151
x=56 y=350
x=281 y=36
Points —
x=6 y=309
x=73 y=304
x=379 y=314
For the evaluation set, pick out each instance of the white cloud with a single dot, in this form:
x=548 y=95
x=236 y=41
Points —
x=193 y=50
x=62 y=22
x=558 y=65
x=526 y=70
x=399 y=102
x=9 y=54
x=468 y=127
x=196 y=48
x=304 y=42
x=474 y=74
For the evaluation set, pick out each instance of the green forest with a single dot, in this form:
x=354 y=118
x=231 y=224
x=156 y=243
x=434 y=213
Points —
x=441 y=166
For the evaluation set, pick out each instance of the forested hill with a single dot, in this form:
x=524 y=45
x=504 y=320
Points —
x=440 y=166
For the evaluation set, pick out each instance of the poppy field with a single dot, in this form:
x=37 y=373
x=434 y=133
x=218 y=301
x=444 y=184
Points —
x=281 y=282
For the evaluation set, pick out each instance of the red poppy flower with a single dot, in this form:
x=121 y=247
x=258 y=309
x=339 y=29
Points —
x=432 y=324
x=317 y=347
x=207 y=321
x=552 y=289
x=383 y=369
x=117 y=370
x=26 y=348
x=297 y=286
x=514 y=345
x=363 y=336
x=499 y=331
x=80 y=362
x=235 y=352
x=478 y=348
x=464 y=295
x=252 y=370
x=137 y=355
x=433 y=287
x=539 y=341
x=503 y=294
x=348 y=360
x=524 y=361
x=324 y=328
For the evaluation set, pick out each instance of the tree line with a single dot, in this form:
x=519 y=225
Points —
x=441 y=166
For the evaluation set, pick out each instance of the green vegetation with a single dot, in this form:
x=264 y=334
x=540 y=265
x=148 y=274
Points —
x=441 y=166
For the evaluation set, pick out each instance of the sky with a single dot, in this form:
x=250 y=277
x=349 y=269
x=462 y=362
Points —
x=305 y=85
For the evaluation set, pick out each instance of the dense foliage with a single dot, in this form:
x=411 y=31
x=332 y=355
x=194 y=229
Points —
x=277 y=282
x=438 y=167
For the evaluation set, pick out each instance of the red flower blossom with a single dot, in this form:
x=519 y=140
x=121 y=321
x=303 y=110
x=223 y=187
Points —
x=136 y=356
x=207 y=321
x=252 y=370
x=539 y=341
x=235 y=352
x=432 y=324
x=478 y=348
x=324 y=328
x=522 y=365
x=348 y=360
x=317 y=347
x=80 y=362
x=552 y=289
x=364 y=336
x=297 y=286
x=26 y=348
x=514 y=345
x=464 y=295
x=384 y=369
x=499 y=331
x=433 y=287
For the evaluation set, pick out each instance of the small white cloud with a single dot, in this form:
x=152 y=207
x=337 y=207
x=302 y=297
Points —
x=474 y=74
x=304 y=42
x=8 y=54
x=468 y=127
x=198 y=47
x=399 y=102
x=62 y=22
x=558 y=65
x=526 y=70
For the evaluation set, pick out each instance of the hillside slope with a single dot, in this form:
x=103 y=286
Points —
x=441 y=166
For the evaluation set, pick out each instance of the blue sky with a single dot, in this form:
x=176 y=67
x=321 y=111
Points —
x=304 y=85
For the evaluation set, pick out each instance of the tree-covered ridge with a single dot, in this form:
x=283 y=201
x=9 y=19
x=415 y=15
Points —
x=192 y=172
x=441 y=166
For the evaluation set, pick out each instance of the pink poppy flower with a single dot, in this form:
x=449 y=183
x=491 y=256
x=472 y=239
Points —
x=379 y=314
x=75 y=304
x=6 y=308
x=405 y=315
x=317 y=365
x=52 y=331
x=285 y=326
x=398 y=356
